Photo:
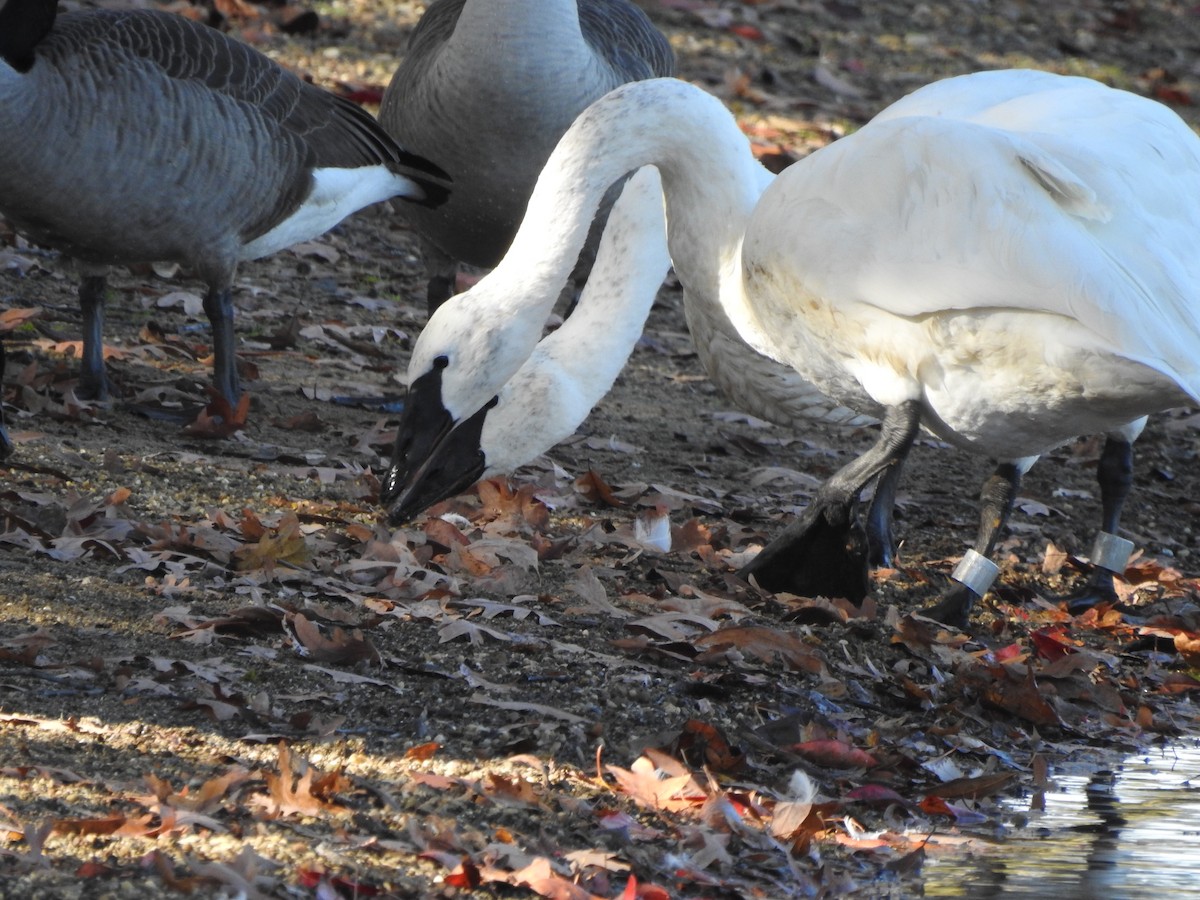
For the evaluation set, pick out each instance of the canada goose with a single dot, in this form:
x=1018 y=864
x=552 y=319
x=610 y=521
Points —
x=137 y=136
x=486 y=89
x=1004 y=258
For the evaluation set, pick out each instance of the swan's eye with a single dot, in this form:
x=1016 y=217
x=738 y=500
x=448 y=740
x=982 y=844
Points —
x=441 y=362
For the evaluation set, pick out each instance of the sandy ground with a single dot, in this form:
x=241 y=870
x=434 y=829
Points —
x=220 y=671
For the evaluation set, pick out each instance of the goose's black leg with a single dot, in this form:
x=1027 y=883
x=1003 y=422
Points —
x=218 y=306
x=823 y=552
x=93 y=385
x=441 y=273
x=880 y=536
x=995 y=505
x=1115 y=476
x=6 y=446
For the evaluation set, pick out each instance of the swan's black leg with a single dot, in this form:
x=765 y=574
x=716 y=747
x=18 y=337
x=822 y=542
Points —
x=441 y=273
x=218 y=306
x=995 y=505
x=880 y=536
x=1115 y=476
x=92 y=382
x=824 y=551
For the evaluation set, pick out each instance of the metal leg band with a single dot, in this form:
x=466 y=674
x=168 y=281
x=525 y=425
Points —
x=976 y=573
x=1111 y=552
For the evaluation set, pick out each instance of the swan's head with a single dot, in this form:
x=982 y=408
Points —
x=542 y=404
x=470 y=348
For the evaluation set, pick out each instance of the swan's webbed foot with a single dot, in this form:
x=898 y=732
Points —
x=1110 y=555
x=954 y=608
x=973 y=577
x=1096 y=591
x=822 y=554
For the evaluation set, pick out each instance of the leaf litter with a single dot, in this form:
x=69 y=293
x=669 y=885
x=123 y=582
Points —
x=221 y=673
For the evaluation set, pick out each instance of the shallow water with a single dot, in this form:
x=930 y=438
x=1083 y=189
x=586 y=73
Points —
x=1124 y=833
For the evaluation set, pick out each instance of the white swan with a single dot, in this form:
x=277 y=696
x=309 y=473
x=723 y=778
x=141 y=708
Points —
x=1005 y=258
x=486 y=89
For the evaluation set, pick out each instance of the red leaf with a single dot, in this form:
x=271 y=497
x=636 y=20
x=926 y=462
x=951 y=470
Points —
x=749 y=32
x=1051 y=642
x=1172 y=95
x=936 y=806
x=834 y=754
x=465 y=876
x=423 y=751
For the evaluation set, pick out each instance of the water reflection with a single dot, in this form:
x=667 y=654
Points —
x=1126 y=833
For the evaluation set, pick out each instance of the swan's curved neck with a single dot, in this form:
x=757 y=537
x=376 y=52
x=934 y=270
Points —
x=23 y=24
x=710 y=179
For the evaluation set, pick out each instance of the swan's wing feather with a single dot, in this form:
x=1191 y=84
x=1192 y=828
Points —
x=1092 y=218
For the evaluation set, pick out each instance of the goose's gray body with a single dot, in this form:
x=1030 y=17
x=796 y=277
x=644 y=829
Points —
x=136 y=136
x=486 y=90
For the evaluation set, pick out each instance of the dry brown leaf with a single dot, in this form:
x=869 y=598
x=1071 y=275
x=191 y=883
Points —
x=283 y=544
x=767 y=644
x=1187 y=645
x=219 y=420
x=834 y=754
x=341 y=646
x=291 y=795
x=596 y=490
x=658 y=782
x=973 y=788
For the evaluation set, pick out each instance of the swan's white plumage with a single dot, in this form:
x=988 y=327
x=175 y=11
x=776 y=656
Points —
x=571 y=369
x=998 y=277
x=1012 y=251
x=901 y=224
x=885 y=265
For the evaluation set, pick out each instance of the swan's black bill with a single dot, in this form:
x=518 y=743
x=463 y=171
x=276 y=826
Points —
x=453 y=464
x=423 y=424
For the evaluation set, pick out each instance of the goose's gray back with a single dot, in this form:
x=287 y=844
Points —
x=517 y=73
x=252 y=132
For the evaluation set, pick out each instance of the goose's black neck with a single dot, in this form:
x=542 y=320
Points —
x=23 y=24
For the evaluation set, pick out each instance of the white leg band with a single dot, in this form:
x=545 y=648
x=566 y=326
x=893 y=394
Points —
x=1111 y=552
x=975 y=572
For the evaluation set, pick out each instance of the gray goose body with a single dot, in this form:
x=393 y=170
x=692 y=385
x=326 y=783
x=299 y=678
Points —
x=486 y=90
x=137 y=136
